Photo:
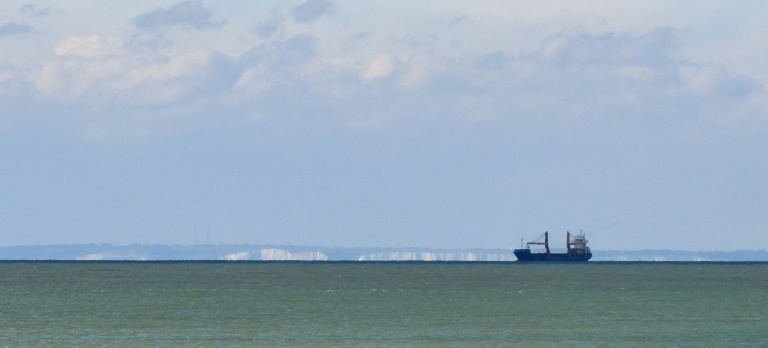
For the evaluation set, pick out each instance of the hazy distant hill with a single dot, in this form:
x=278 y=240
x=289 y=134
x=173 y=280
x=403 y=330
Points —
x=298 y=253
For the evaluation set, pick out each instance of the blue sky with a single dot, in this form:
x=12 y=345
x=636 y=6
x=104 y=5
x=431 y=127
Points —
x=443 y=124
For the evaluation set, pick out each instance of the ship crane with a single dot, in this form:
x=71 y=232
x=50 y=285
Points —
x=545 y=243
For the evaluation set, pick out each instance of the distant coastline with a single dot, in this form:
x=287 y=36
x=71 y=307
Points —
x=242 y=252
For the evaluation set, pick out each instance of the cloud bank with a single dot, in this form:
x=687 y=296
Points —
x=590 y=79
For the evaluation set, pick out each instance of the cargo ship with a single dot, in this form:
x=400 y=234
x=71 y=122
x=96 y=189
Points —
x=577 y=250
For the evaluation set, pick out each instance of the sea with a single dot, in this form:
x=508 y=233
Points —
x=383 y=304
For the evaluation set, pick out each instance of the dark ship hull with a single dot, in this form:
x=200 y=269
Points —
x=527 y=255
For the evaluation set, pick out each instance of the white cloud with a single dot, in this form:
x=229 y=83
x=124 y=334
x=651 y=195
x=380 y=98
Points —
x=381 y=66
x=715 y=81
x=89 y=47
x=420 y=67
x=103 y=71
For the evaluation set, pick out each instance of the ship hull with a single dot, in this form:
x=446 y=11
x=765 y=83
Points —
x=527 y=255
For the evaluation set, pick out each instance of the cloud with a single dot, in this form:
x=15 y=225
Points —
x=713 y=80
x=643 y=65
x=283 y=54
x=311 y=10
x=572 y=81
x=590 y=70
x=587 y=49
x=275 y=65
x=269 y=27
x=95 y=70
x=12 y=28
x=381 y=66
x=103 y=70
x=31 y=9
x=89 y=47
x=187 y=14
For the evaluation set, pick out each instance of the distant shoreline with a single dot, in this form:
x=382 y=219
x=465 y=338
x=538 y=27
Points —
x=272 y=253
x=376 y=262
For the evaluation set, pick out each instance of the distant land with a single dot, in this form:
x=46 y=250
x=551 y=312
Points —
x=236 y=252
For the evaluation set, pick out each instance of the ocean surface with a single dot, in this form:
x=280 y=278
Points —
x=419 y=304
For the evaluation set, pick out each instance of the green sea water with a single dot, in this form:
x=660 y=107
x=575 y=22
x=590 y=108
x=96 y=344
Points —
x=330 y=304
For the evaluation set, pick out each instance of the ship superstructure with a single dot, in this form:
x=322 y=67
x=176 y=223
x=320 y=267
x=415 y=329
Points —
x=577 y=250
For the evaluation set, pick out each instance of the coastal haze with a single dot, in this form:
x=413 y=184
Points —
x=430 y=127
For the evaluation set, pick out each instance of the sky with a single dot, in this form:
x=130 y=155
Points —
x=436 y=124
